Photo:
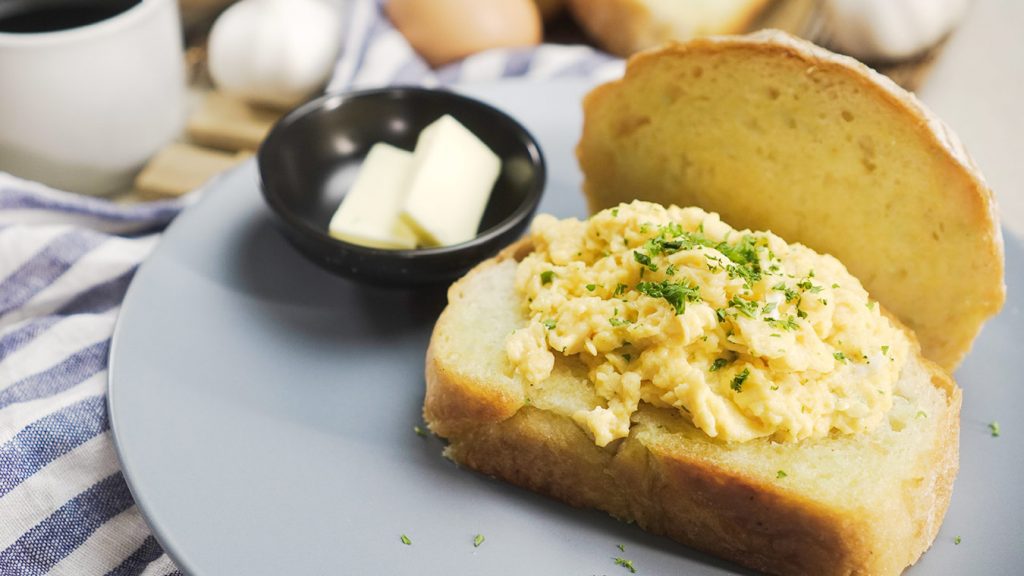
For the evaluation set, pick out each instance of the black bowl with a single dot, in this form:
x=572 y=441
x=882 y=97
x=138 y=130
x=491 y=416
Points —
x=310 y=158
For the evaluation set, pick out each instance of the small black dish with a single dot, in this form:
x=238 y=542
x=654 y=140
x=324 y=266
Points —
x=311 y=157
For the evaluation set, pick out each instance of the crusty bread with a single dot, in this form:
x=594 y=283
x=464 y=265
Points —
x=861 y=504
x=775 y=133
x=624 y=27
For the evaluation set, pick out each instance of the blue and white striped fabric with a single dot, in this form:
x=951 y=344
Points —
x=65 y=263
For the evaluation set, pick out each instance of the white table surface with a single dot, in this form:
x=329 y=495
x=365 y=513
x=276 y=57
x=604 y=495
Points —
x=977 y=87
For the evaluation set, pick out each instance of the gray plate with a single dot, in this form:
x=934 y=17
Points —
x=264 y=413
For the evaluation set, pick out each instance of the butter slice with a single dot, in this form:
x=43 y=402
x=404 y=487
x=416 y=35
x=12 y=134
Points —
x=451 y=180
x=369 y=213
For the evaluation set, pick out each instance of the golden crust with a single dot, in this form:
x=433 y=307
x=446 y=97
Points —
x=929 y=248
x=675 y=482
x=624 y=27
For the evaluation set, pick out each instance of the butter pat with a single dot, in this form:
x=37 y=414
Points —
x=369 y=213
x=451 y=179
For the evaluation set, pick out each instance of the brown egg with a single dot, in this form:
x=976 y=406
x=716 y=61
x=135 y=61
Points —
x=446 y=30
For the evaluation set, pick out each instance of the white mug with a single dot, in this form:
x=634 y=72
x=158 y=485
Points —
x=83 y=108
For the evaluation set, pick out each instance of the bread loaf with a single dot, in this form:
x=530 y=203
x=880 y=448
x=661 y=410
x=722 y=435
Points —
x=623 y=27
x=774 y=133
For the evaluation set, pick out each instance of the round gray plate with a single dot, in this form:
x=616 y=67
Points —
x=264 y=413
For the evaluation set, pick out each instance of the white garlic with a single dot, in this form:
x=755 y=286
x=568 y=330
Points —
x=877 y=30
x=274 y=52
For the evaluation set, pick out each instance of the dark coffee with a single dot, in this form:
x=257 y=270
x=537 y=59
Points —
x=29 y=16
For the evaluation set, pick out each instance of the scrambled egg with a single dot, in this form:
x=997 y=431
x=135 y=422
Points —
x=745 y=335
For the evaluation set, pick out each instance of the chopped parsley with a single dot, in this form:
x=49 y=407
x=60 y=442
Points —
x=957 y=540
x=547 y=276
x=885 y=350
x=621 y=547
x=718 y=364
x=781 y=474
x=550 y=324
x=788 y=324
x=406 y=540
x=675 y=293
x=615 y=212
x=922 y=414
x=591 y=287
x=645 y=260
x=620 y=289
x=788 y=292
x=616 y=321
x=671 y=270
x=994 y=429
x=739 y=379
x=839 y=356
x=834 y=286
x=478 y=540
x=870 y=305
x=746 y=307
x=419 y=431
x=627 y=564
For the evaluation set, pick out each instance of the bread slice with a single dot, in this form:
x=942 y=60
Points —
x=624 y=27
x=861 y=504
x=775 y=133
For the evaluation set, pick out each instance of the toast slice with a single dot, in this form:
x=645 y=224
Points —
x=861 y=504
x=774 y=133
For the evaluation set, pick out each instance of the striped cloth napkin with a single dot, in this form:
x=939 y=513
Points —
x=65 y=263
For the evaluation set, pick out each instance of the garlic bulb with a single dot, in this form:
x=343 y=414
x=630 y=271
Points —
x=889 y=29
x=274 y=52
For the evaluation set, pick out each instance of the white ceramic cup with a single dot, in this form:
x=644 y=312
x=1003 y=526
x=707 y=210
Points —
x=82 y=109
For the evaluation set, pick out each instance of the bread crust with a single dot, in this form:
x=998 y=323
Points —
x=979 y=290
x=677 y=488
x=624 y=27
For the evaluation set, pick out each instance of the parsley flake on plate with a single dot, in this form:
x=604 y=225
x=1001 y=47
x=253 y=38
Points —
x=627 y=564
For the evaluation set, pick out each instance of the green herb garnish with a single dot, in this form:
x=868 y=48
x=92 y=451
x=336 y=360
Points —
x=645 y=260
x=616 y=321
x=994 y=429
x=781 y=474
x=550 y=324
x=839 y=356
x=591 y=287
x=406 y=540
x=789 y=324
x=739 y=379
x=957 y=540
x=675 y=293
x=627 y=564
x=419 y=431
x=718 y=364
x=478 y=540
x=746 y=307
x=790 y=293
x=547 y=276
